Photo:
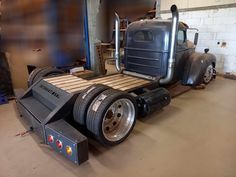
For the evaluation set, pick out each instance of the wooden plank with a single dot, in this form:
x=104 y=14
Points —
x=121 y=81
x=115 y=80
x=76 y=86
x=108 y=78
x=134 y=86
x=71 y=83
x=131 y=85
x=61 y=80
x=66 y=81
x=57 y=77
x=78 y=89
x=115 y=83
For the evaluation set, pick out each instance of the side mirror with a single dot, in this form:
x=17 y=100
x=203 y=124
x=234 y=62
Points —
x=196 y=38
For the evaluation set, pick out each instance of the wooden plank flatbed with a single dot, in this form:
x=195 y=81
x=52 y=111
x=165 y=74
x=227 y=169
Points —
x=73 y=84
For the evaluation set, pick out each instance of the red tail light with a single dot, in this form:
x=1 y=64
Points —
x=59 y=144
x=50 y=139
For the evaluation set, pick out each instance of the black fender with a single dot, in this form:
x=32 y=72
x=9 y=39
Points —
x=196 y=66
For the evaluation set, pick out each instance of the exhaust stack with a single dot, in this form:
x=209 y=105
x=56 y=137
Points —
x=117 y=42
x=171 y=60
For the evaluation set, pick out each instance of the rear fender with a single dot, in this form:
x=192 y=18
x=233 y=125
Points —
x=196 y=66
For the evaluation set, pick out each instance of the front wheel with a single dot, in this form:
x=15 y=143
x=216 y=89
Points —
x=209 y=74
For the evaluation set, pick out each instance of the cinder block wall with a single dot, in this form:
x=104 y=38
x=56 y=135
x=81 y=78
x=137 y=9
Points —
x=217 y=32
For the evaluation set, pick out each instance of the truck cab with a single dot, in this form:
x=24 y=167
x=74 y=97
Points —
x=161 y=49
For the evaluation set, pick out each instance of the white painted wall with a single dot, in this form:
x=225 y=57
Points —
x=165 y=4
x=215 y=26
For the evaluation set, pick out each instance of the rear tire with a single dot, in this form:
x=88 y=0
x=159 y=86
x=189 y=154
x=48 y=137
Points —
x=32 y=76
x=43 y=72
x=112 y=116
x=84 y=100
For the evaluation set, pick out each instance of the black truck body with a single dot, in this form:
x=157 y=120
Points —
x=157 y=53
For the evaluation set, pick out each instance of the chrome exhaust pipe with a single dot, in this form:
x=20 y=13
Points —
x=117 y=42
x=171 y=60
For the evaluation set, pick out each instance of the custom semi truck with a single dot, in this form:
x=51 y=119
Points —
x=63 y=110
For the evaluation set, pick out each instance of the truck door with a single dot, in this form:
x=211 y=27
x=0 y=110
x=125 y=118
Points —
x=181 y=52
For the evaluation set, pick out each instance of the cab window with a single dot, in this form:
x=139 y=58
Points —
x=143 y=36
x=181 y=37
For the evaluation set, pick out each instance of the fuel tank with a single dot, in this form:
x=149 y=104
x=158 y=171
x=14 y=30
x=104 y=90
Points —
x=153 y=100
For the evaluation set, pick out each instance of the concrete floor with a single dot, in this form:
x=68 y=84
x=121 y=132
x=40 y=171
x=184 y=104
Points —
x=193 y=137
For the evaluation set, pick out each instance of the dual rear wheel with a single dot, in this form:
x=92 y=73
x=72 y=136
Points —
x=40 y=73
x=109 y=114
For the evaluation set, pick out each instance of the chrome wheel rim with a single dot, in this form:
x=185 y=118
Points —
x=118 y=120
x=208 y=74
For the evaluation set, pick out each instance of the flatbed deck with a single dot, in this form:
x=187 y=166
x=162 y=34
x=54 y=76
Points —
x=73 y=84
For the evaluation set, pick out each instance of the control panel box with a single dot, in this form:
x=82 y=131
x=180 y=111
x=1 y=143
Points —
x=68 y=141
